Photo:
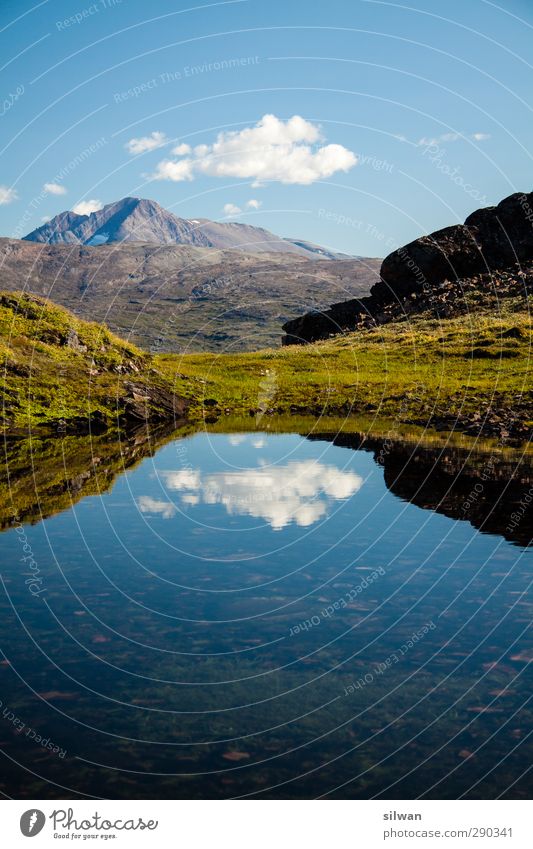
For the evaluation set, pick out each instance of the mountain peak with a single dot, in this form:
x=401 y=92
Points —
x=134 y=219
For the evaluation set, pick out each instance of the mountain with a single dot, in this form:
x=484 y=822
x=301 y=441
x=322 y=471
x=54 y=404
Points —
x=140 y=220
x=322 y=253
x=182 y=297
x=460 y=269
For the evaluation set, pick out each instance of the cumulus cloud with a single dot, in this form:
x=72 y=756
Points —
x=154 y=507
x=85 y=207
x=186 y=479
x=298 y=492
x=146 y=143
x=54 y=189
x=283 y=151
x=181 y=149
x=190 y=499
x=175 y=170
x=231 y=209
x=7 y=195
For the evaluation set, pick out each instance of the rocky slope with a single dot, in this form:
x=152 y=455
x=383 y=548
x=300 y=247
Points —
x=140 y=220
x=182 y=297
x=448 y=273
x=65 y=376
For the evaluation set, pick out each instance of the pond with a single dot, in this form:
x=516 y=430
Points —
x=265 y=615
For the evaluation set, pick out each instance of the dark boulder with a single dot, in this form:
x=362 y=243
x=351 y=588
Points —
x=491 y=251
x=490 y=239
x=320 y=325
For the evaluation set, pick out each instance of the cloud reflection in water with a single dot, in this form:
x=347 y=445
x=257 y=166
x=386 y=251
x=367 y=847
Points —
x=299 y=492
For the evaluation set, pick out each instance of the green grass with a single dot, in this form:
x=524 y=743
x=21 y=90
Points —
x=45 y=380
x=401 y=372
x=398 y=371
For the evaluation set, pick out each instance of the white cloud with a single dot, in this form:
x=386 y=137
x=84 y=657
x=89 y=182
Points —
x=176 y=171
x=85 y=207
x=298 y=492
x=45 y=218
x=190 y=498
x=450 y=137
x=154 y=507
x=54 y=189
x=426 y=141
x=273 y=149
x=231 y=209
x=146 y=143
x=186 y=479
x=7 y=195
x=254 y=204
x=181 y=149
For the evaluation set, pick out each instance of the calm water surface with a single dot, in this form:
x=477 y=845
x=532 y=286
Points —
x=260 y=615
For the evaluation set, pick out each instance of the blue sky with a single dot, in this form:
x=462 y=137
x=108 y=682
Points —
x=407 y=121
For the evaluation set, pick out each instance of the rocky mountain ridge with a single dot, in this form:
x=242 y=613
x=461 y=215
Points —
x=134 y=219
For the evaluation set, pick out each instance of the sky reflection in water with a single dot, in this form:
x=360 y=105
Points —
x=222 y=622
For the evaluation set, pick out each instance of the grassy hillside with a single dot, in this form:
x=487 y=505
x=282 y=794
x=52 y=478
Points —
x=64 y=373
x=179 y=297
x=471 y=372
x=474 y=371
